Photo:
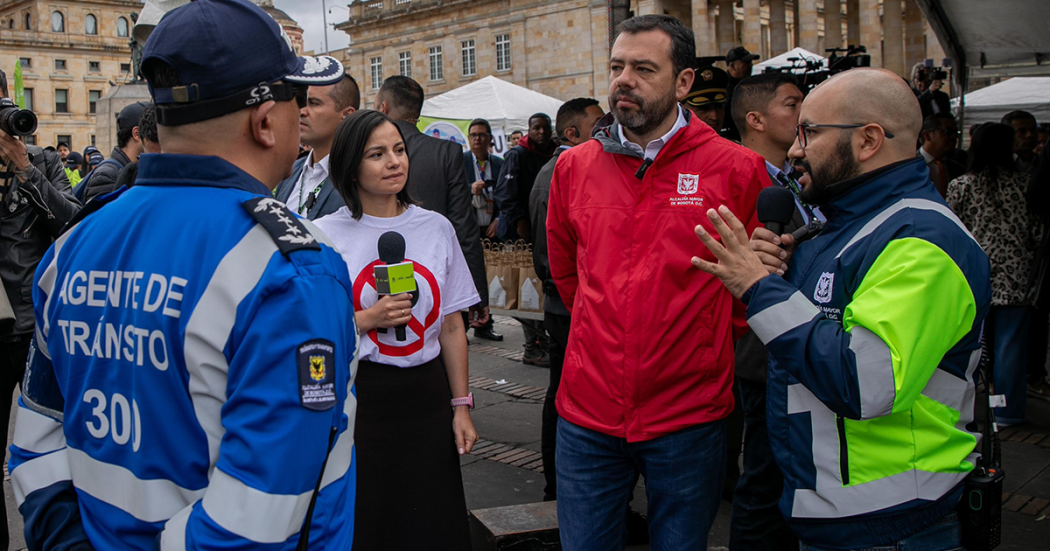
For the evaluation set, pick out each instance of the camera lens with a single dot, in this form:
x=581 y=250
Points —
x=17 y=122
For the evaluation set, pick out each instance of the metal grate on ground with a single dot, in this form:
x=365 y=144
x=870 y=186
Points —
x=508 y=455
x=514 y=355
x=523 y=392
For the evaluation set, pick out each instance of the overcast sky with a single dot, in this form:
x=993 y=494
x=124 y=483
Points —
x=310 y=17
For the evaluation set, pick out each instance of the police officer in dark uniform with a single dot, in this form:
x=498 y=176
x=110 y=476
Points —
x=707 y=98
x=190 y=385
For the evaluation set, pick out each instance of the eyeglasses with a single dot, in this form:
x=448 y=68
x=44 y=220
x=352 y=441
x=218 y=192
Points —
x=802 y=131
x=476 y=136
x=300 y=93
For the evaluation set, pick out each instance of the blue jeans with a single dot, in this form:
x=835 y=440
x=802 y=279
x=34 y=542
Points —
x=596 y=474
x=1009 y=327
x=944 y=535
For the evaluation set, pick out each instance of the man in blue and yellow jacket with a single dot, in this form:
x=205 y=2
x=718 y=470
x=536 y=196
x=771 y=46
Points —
x=873 y=330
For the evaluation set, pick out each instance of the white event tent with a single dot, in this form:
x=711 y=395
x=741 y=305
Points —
x=781 y=61
x=505 y=105
x=989 y=104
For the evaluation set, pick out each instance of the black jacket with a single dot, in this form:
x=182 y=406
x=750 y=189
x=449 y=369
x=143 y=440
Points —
x=104 y=177
x=513 y=187
x=538 y=200
x=437 y=180
x=32 y=217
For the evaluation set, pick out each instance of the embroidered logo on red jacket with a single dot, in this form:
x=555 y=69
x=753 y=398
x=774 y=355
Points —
x=688 y=185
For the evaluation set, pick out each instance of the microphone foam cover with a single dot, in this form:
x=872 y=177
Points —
x=776 y=204
x=391 y=247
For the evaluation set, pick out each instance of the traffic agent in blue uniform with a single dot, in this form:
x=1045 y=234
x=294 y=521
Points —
x=191 y=383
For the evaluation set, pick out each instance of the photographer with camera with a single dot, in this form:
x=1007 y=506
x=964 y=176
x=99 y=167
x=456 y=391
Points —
x=926 y=83
x=36 y=204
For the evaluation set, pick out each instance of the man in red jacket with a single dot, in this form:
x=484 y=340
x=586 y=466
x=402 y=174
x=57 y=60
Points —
x=648 y=372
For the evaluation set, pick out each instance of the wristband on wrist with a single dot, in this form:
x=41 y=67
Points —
x=465 y=401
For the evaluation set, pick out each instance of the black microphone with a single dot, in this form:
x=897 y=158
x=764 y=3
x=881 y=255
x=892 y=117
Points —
x=776 y=207
x=391 y=248
x=807 y=232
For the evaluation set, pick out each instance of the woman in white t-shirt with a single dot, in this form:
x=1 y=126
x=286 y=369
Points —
x=408 y=436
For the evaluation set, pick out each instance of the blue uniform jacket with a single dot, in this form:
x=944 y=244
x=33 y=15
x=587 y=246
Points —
x=194 y=357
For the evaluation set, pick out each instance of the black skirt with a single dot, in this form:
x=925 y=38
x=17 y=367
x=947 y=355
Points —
x=409 y=485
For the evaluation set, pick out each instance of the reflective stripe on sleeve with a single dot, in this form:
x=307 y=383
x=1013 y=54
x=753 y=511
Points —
x=874 y=373
x=149 y=500
x=39 y=473
x=36 y=433
x=782 y=317
x=173 y=538
x=48 y=278
x=210 y=324
x=253 y=514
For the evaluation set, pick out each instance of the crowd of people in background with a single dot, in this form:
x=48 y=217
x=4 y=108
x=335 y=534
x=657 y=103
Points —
x=655 y=370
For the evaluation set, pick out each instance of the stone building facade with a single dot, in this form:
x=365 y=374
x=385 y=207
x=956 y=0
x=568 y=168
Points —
x=290 y=26
x=561 y=47
x=72 y=53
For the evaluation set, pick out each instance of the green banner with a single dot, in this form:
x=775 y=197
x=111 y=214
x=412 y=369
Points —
x=20 y=90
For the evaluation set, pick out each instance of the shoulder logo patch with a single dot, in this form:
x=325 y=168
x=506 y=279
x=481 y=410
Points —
x=315 y=360
x=287 y=231
x=822 y=294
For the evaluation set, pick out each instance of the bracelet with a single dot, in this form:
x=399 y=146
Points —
x=468 y=400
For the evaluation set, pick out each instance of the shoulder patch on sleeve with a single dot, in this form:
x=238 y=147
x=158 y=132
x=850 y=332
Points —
x=287 y=231
x=315 y=360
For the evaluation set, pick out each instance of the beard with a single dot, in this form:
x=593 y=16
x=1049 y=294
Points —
x=649 y=114
x=841 y=165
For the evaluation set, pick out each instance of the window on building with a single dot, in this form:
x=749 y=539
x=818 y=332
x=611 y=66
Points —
x=58 y=22
x=404 y=64
x=122 y=27
x=10 y=23
x=376 y=64
x=93 y=97
x=60 y=65
x=29 y=98
x=437 y=71
x=92 y=139
x=31 y=140
x=503 y=52
x=25 y=62
x=94 y=66
x=125 y=68
x=29 y=22
x=68 y=140
x=61 y=101
x=90 y=24
x=470 y=66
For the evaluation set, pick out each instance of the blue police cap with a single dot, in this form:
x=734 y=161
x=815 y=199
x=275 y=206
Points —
x=226 y=56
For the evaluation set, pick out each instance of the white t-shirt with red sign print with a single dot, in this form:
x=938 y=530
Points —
x=442 y=278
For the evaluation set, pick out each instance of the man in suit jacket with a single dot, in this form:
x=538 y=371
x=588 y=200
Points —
x=482 y=169
x=437 y=179
x=309 y=191
x=939 y=136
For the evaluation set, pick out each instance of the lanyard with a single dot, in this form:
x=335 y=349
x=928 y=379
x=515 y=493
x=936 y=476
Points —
x=481 y=168
x=791 y=184
x=311 y=199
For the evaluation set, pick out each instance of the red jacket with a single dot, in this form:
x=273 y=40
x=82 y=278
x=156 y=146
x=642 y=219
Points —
x=651 y=346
